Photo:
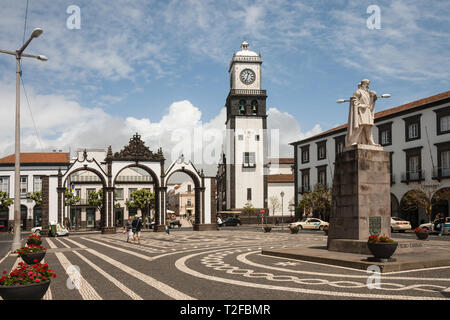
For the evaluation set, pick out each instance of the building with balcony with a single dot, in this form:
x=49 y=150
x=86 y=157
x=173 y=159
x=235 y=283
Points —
x=33 y=167
x=417 y=136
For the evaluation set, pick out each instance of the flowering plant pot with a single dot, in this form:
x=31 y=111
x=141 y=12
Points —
x=381 y=247
x=34 y=240
x=26 y=282
x=34 y=291
x=267 y=228
x=31 y=254
x=421 y=233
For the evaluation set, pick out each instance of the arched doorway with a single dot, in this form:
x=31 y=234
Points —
x=37 y=216
x=440 y=203
x=411 y=212
x=82 y=214
x=4 y=217
x=130 y=178
x=184 y=202
x=205 y=214
x=23 y=217
x=394 y=206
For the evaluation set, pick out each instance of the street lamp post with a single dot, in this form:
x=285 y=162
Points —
x=19 y=54
x=282 y=195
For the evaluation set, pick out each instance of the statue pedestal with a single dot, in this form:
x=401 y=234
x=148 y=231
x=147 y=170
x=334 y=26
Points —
x=361 y=196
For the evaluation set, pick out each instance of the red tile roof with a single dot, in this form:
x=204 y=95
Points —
x=388 y=112
x=38 y=157
x=282 y=160
x=279 y=178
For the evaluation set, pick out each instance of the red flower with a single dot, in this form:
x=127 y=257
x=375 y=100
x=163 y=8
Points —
x=35 y=260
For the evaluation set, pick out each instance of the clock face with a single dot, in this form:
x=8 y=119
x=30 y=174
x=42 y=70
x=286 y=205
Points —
x=247 y=76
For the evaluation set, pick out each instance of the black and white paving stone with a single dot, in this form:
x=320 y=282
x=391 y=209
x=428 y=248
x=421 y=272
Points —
x=216 y=265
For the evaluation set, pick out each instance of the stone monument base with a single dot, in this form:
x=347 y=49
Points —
x=360 y=246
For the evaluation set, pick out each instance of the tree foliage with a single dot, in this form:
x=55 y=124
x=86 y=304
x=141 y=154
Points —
x=37 y=197
x=95 y=199
x=318 y=200
x=424 y=196
x=143 y=199
x=71 y=199
x=5 y=201
x=249 y=209
x=274 y=204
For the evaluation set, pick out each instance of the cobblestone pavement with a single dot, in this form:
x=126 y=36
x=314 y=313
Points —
x=217 y=265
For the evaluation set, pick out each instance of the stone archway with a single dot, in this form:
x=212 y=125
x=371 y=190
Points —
x=409 y=213
x=137 y=154
x=395 y=210
x=154 y=182
x=440 y=205
x=93 y=166
x=204 y=192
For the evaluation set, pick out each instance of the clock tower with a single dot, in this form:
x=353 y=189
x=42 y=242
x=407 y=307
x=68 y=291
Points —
x=246 y=150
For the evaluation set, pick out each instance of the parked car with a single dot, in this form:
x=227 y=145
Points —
x=430 y=226
x=174 y=223
x=310 y=223
x=400 y=225
x=60 y=230
x=232 y=221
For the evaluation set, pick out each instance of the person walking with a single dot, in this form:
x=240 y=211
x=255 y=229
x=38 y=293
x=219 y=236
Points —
x=168 y=227
x=442 y=224
x=137 y=229
x=128 y=229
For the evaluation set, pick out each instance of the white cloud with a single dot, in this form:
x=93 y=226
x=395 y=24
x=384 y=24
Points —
x=65 y=124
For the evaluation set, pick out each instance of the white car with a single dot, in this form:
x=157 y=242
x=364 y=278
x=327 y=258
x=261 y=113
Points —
x=430 y=226
x=398 y=224
x=310 y=223
x=60 y=230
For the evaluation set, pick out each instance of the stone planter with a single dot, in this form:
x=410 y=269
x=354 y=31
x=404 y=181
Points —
x=267 y=229
x=422 y=235
x=294 y=230
x=29 y=258
x=33 y=291
x=382 y=251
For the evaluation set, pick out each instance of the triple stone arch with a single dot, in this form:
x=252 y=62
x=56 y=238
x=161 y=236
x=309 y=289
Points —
x=135 y=155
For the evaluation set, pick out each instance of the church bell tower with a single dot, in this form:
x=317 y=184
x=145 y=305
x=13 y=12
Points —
x=246 y=124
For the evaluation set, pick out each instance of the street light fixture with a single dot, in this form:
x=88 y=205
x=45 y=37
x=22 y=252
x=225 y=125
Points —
x=19 y=54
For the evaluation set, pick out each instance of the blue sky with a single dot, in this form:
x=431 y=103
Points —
x=131 y=62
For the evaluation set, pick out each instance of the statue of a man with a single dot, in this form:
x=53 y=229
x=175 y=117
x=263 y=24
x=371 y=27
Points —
x=361 y=115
